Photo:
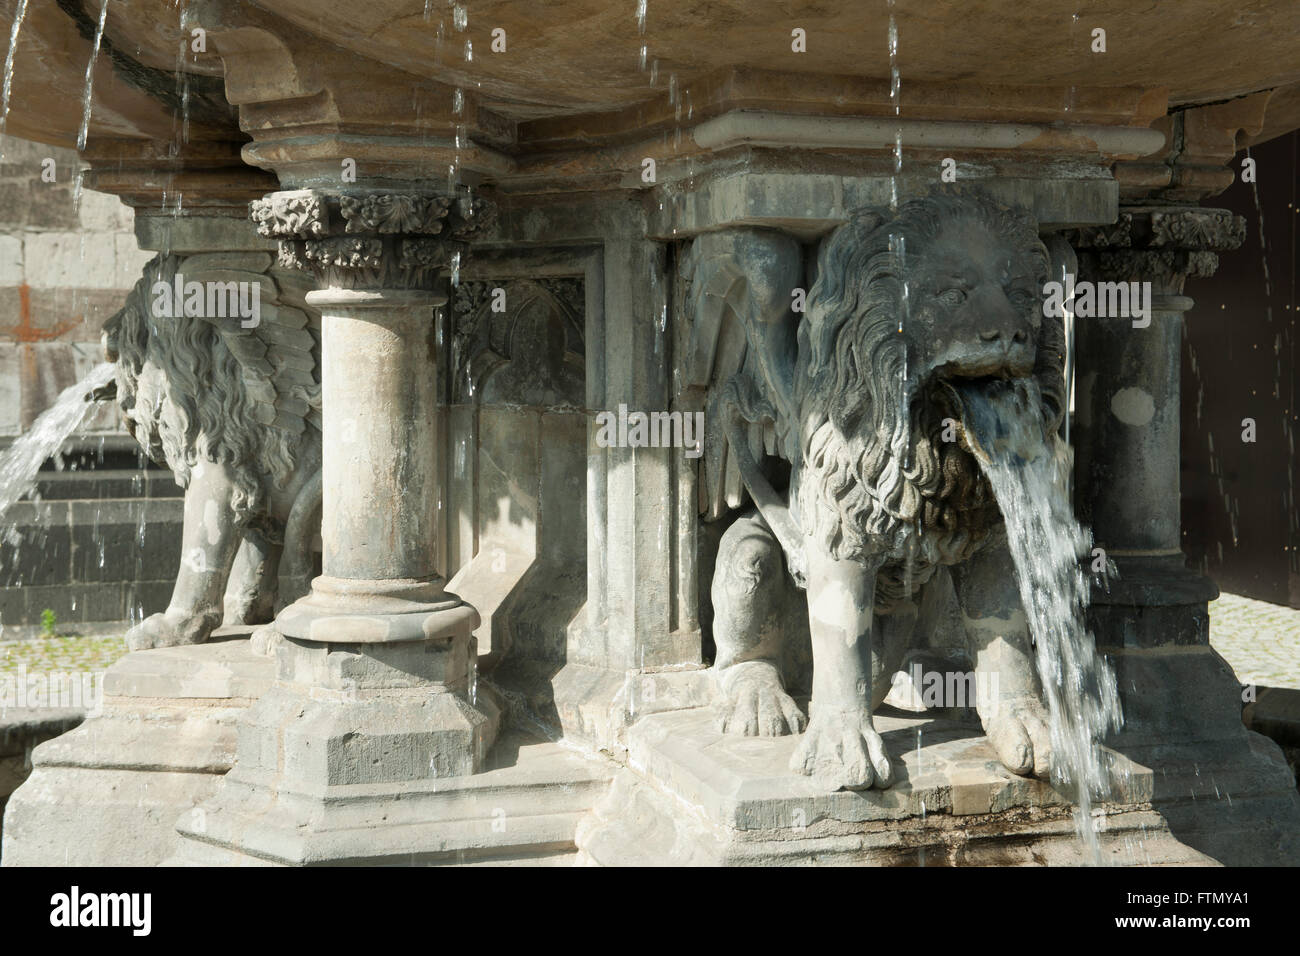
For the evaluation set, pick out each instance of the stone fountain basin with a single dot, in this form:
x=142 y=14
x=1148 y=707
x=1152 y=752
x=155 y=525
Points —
x=571 y=75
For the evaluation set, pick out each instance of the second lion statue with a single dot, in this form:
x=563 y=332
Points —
x=852 y=401
x=234 y=412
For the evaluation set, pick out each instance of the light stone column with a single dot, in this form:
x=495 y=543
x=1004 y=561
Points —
x=1127 y=422
x=380 y=654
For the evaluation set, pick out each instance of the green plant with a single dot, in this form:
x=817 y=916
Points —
x=49 y=623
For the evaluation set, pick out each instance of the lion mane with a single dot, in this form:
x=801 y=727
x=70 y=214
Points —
x=206 y=388
x=875 y=476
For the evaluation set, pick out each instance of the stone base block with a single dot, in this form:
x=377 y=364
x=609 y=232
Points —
x=397 y=738
x=108 y=793
x=693 y=796
x=594 y=706
x=522 y=809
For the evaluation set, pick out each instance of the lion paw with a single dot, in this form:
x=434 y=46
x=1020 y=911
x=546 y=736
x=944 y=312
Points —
x=842 y=751
x=755 y=704
x=170 y=629
x=1020 y=738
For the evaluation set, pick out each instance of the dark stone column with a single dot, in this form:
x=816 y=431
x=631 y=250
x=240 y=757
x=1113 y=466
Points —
x=1127 y=422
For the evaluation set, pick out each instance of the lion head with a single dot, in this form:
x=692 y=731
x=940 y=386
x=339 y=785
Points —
x=949 y=288
x=185 y=396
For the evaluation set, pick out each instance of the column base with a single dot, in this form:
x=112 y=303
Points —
x=1156 y=601
x=345 y=611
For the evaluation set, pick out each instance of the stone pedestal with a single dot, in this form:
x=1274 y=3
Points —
x=522 y=808
x=375 y=694
x=952 y=803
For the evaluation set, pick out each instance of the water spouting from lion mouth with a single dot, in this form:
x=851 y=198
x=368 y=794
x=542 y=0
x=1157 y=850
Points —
x=23 y=459
x=1029 y=470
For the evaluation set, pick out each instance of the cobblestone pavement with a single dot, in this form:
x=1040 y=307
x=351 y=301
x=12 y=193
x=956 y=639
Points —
x=1260 y=640
x=47 y=655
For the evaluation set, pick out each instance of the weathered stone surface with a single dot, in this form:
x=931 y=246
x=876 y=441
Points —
x=21 y=730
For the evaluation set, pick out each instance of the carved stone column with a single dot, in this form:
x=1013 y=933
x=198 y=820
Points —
x=1127 y=421
x=379 y=628
x=375 y=697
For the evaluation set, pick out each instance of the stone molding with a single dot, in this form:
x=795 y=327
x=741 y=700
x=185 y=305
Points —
x=371 y=240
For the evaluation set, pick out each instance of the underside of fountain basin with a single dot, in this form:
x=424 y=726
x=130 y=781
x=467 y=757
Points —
x=582 y=92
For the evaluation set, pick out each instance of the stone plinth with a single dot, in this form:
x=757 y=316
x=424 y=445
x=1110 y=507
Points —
x=694 y=796
x=522 y=808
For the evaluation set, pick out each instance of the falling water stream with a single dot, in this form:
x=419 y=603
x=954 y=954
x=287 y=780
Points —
x=19 y=465
x=1028 y=470
x=86 y=96
x=9 y=62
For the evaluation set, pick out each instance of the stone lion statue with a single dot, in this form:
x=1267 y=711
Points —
x=852 y=411
x=234 y=412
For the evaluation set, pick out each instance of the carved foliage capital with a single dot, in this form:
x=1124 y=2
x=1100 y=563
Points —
x=1197 y=230
x=1188 y=228
x=1165 y=246
x=289 y=214
x=371 y=239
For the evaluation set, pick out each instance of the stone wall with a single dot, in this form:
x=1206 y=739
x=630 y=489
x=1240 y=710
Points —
x=64 y=269
x=1239 y=362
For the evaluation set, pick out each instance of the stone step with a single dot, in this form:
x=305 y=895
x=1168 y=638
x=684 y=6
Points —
x=78 y=541
x=111 y=791
x=78 y=606
x=99 y=483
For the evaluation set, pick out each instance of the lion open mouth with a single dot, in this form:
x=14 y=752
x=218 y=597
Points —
x=997 y=414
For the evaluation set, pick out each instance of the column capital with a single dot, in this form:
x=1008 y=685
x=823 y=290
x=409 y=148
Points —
x=1163 y=244
x=372 y=239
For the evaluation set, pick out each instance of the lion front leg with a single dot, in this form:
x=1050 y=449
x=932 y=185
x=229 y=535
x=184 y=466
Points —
x=841 y=748
x=208 y=542
x=998 y=639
